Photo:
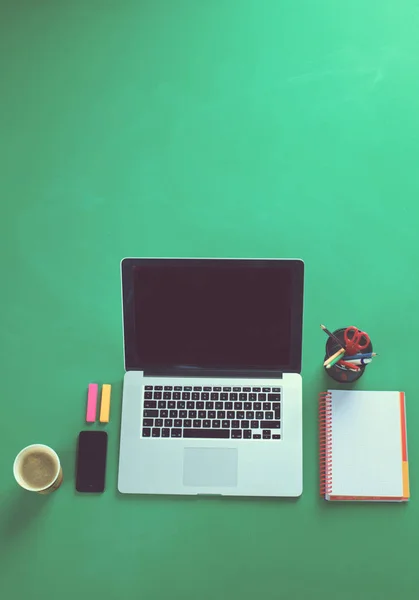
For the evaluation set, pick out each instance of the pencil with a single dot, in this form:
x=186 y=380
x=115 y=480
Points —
x=333 y=362
x=329 y=362
x=331 y=335
x=359 y=356
x=349 y=365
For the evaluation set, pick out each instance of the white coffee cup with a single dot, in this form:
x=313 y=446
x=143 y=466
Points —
x=37 y=468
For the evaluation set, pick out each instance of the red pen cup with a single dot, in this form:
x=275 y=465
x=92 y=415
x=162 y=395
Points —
x=339 y=372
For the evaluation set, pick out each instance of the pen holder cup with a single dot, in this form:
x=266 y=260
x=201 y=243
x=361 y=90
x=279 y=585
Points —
x=339 y=372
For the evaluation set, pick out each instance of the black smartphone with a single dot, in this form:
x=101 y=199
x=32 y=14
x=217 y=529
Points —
x=91 y=461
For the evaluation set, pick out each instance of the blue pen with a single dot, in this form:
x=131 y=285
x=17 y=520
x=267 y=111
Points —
x=359 y=356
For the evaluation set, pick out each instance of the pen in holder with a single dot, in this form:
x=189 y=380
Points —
x=340 y=372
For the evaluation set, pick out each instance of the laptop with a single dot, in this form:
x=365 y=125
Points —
x=212 y=395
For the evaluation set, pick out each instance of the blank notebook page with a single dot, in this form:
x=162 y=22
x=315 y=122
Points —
x=366 y=444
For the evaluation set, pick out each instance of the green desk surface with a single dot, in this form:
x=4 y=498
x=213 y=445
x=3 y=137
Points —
x=192 y=128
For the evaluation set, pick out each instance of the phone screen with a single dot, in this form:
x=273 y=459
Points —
x=91 y=461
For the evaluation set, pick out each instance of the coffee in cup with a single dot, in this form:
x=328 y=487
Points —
x=37 y=468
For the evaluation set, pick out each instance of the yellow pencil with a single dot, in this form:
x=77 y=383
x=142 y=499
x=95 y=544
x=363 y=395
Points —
x=331 y=360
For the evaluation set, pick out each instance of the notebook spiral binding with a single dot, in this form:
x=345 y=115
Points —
x=325 y=440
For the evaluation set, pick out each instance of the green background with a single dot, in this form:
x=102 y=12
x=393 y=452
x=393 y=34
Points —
x=201 y=128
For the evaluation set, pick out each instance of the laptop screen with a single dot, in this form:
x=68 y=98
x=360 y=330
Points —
x=220 y=314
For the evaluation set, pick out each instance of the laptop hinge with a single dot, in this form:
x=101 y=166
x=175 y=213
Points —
x=227 y=373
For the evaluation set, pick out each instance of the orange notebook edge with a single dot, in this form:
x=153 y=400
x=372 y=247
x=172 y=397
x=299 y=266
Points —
x=405 y=463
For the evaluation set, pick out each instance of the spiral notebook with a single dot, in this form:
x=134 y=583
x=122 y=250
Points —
x=363 y=446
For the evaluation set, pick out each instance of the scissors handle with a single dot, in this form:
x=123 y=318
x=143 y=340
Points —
x=355 y=339
x=363 y=345
x=350 y=336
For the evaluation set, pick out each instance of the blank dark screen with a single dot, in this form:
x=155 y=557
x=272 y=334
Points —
x=213 y=316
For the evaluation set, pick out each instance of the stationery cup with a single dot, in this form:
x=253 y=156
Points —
x=338 y=372
x=37 y=468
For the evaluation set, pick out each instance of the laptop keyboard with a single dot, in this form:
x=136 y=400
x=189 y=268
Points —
x=179 y=411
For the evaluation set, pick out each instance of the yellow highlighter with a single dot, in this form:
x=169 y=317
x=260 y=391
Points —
x=105 y=403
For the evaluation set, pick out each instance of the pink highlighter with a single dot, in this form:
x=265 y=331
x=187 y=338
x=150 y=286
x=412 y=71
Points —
x=91 y=403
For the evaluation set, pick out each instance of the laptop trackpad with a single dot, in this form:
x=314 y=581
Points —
x=210 y=467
